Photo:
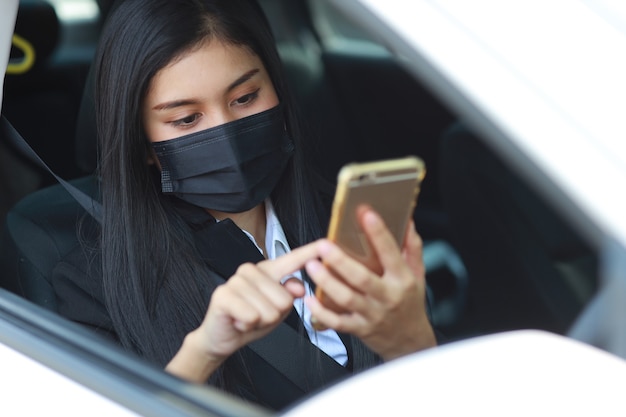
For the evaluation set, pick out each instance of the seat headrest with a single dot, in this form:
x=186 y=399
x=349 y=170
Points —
x=37 y=23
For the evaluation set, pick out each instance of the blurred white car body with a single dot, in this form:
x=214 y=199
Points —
x=544 y=83
x=514 y=374
x=548 y=76
x=32 y=389
x=8 y=13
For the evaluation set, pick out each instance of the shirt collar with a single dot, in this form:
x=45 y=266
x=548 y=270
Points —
x=275 y=239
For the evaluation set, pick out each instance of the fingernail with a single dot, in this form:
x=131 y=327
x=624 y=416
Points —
x=312 y=267
x=317 y=326
x=371 y=218
x=287 y=278
x=325 y=247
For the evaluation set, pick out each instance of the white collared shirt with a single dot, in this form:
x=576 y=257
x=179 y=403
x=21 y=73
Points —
x=276 y=244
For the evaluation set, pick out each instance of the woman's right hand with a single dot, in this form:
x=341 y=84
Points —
x=245 y=308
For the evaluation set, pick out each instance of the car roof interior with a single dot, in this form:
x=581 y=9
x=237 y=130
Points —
x=497 y=256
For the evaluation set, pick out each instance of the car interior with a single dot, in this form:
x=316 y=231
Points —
x=498 y=255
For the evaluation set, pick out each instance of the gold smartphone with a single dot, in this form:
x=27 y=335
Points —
x=390 y=187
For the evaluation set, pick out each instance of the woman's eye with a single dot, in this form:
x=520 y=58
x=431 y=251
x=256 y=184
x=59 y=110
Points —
x=246 y=99
x=186 y=121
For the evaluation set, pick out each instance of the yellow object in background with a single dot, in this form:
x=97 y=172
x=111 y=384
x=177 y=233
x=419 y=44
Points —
x=27 y=61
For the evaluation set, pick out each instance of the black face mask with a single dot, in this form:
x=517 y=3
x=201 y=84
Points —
x=232 y=167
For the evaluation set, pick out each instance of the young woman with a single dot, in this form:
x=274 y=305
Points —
x=210 y=240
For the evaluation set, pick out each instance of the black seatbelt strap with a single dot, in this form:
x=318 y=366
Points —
x=92 y=207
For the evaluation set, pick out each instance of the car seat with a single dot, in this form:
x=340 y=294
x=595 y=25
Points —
x=42 y=227
x=42 y=103
x=39 y=232
x=527 y=267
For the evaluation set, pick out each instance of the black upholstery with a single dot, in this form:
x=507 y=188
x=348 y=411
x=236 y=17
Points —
x=43 y=102
x=527 y=267
x=40 y=230
x=43 y=227
x=37 y=23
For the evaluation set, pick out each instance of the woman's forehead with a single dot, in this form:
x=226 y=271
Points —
x=213 y=65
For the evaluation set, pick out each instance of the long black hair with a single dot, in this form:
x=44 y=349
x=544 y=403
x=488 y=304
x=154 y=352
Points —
x=153 y=282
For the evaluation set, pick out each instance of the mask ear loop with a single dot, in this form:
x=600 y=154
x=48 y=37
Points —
x=29 y=56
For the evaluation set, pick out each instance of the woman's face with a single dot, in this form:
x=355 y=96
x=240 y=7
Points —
x=209 y=86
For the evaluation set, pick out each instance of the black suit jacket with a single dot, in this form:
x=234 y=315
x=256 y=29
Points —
x=63 y=274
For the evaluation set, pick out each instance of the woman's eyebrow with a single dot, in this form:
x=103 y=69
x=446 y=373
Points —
x=175 y=103
x=245 y=77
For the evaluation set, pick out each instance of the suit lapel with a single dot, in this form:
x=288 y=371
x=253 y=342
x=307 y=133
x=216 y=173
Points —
x=224 y=247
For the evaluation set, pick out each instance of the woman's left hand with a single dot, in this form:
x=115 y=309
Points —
x=387 y=312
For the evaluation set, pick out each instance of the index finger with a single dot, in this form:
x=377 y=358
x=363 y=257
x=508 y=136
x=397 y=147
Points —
x=295 y=260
